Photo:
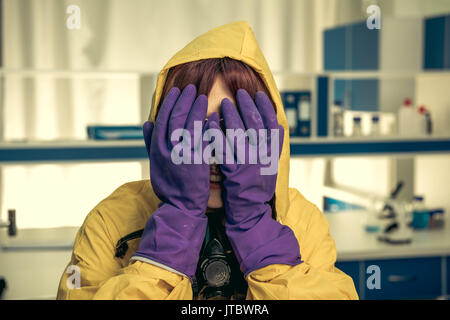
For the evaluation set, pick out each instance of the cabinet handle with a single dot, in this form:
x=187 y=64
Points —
x=400 y=278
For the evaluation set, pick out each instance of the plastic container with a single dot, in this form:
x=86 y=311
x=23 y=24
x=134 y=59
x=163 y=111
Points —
x=421 y=219
x=407 y=119
x=420 y=214
x=436 y=218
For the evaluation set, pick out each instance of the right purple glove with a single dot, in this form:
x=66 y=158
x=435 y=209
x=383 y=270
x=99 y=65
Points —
x=257 y=239
x=174 y=233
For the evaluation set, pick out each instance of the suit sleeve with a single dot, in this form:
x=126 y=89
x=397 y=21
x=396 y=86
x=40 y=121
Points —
x=316 y=277
x=94 y=273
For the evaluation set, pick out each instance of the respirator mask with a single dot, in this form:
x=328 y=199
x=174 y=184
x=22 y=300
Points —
x=218 y=275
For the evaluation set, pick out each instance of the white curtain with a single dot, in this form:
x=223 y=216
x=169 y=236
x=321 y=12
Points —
x=143 y=34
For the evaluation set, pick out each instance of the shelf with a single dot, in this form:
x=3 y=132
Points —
x=134 y=150
x=326 y=147
x=66 y=73
x=355 y=74
x=72 y=151
x=352 y=74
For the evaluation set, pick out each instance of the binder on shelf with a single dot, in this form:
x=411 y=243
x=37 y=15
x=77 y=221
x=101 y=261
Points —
x=297 y=107
x=115 y=132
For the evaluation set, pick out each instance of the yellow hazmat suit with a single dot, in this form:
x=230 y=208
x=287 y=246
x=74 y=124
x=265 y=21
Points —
x=108 y=237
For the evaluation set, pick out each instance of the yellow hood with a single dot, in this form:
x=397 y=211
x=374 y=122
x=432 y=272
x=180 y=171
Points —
x=117 y=222
x=236 y=40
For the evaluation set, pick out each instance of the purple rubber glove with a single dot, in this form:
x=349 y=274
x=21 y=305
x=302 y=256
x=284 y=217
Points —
x=257 y=239
x=174 y=233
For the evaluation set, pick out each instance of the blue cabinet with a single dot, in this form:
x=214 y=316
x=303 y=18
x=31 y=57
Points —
x=406 y=278
x=354 y=47
x=351 y=47
x=448 y=275
x=447 y=43
x=414 y=278
x=364 y=47
x=437 y=43
x=335 y=48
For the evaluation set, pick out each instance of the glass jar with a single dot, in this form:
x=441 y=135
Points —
x=357 y=129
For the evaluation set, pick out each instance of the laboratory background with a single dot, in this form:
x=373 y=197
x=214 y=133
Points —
x=366 y=90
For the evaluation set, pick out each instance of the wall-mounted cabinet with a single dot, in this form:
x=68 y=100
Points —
x=395 y=48
x=401 y=44
x=336 y=45
x=437 y=43
x=351 y=47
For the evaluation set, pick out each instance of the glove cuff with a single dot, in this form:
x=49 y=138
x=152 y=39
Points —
x=173 y=237
x=266 y=242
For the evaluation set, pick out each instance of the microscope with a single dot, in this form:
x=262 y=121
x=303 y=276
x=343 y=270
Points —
x=397 y=215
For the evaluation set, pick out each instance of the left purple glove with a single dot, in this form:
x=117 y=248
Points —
x=174 y=233
x=257 y=239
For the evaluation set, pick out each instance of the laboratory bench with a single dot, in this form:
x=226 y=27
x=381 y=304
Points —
x=33 y=261
x=417 y=270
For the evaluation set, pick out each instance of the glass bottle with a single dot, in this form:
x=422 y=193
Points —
x=338 y=119
x=357 y=130
x=420 y=214
x=375 y=129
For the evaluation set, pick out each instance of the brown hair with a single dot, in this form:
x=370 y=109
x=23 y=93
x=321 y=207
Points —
x=202 y=73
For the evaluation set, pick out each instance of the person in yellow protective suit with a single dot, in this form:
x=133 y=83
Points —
x=113 y=252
